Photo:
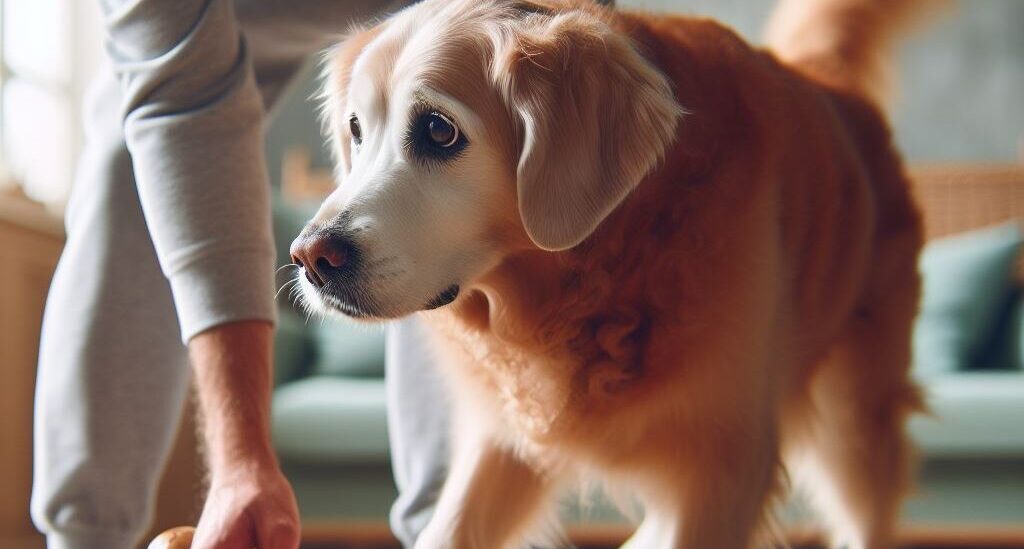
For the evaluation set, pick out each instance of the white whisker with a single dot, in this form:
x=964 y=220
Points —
x=291 y=282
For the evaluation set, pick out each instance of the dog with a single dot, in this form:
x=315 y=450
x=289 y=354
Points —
x=652 y=255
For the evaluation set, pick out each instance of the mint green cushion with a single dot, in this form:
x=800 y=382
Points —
x=1006 y=351
x=289 y=219
x=349 y=349
x=967 y=279
x=1017 y=334
x=293 y=348
x=330 y=420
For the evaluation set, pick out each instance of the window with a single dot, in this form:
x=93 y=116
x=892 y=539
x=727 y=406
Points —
x=48 y=51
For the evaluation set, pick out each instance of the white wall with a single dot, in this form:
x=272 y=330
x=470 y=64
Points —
x=51 y=49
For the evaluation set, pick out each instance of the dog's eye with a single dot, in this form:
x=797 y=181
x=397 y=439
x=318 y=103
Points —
x=442 y=132
x=434 y=136
x=357 y=132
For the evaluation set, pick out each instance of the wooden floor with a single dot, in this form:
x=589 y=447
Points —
x=377 y=536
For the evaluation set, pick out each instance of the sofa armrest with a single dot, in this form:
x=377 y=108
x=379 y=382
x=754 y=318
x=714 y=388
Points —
x=974 y=414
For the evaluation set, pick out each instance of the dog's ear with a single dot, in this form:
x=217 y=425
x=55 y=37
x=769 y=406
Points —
x=596 y=118
x=336 y=77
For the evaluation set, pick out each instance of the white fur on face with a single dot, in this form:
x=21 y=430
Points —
x=421 y=226
x=424 y=226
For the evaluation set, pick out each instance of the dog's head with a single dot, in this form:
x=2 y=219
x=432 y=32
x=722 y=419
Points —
x=465 y=130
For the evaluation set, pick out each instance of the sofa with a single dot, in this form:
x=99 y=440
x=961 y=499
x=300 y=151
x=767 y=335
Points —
x=329 y=420
x=972 y=443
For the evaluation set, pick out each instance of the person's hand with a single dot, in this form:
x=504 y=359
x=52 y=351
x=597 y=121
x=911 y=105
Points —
x=249 y=506
x=250 y=503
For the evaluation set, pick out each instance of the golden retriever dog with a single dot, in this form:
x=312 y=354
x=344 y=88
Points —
x=653 y=255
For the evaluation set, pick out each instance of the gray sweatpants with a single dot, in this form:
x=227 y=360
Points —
x=113 y=372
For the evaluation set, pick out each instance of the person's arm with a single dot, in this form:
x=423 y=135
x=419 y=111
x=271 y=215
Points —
x=193 y=122
x=250 y=504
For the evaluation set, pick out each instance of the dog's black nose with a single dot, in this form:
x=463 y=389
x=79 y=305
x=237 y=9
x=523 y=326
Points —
x=323 y=256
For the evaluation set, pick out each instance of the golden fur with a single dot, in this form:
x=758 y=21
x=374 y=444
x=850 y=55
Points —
x=708 y=273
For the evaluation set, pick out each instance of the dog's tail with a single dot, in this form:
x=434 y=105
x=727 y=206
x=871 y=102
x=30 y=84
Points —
x=846 y=43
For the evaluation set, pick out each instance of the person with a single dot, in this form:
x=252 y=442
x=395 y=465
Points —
x=169 y=241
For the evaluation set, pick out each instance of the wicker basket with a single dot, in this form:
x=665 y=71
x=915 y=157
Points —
x=954 y=199
x=960 y=198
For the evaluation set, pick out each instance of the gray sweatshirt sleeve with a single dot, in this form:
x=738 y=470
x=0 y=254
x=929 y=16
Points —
x=193 y=121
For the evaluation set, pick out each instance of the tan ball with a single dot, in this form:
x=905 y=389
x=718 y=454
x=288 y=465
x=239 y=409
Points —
x=175 y=538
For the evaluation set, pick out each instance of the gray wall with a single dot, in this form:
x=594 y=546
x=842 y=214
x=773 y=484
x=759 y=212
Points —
x=961 y=82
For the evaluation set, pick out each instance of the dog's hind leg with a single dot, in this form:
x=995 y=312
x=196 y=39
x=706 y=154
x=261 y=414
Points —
x=854 y=457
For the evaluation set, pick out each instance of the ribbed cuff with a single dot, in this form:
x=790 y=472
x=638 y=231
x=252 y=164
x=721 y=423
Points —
x=223 y=288
x=90 y=540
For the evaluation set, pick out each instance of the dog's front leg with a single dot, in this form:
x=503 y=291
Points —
x=716 y=493
x=727 y=493
x=489 y=501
